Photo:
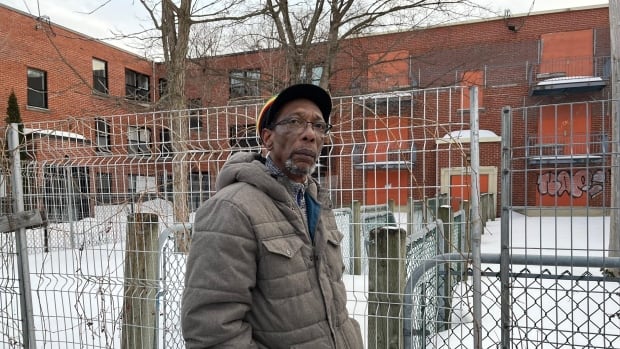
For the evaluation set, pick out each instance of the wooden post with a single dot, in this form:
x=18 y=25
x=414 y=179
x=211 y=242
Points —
x=386 y=284
x=141 y=284
x=357 y=237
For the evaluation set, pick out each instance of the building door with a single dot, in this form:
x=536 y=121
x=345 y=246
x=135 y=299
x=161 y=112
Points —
x=460 y=188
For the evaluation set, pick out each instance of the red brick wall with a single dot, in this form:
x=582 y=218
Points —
x=66 y=56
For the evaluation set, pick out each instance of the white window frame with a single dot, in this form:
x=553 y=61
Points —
x=139 y=140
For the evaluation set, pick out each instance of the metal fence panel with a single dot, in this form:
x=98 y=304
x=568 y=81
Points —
x=399 y=151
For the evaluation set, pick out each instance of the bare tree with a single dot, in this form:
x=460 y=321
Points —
x=174 y=21
x=300 y=26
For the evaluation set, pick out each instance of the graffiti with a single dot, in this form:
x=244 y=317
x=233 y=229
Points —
x=582 y=182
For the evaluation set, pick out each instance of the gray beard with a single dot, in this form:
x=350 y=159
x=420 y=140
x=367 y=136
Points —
x=290 y=166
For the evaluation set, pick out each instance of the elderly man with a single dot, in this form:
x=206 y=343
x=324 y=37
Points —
x=265 y=267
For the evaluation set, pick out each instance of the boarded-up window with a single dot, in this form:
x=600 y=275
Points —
x=566 y=129
x=469 y=79
x=386 y=136
x=567 y=53
x=388 y=70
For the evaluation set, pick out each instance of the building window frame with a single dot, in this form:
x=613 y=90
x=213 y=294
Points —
x=100 y=76
x=194 y=105
x=67 y=192
x=311 y=74
x=199 y=189
x=244 y=83
x=104 y=187
x=137 y=86
x=104 y=136
x=142 y=185
x=37 y=88
x=165 y=139
x=243 y=137
x=162 y=86
x=139 y=140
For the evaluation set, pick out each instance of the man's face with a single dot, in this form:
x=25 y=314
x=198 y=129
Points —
x=295 y=152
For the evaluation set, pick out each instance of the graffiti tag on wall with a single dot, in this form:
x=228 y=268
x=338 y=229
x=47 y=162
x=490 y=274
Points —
x=581 y=182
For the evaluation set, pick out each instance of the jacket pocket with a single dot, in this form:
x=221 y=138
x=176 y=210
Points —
x=282 y=270
x=286 y=246
x=333 y=254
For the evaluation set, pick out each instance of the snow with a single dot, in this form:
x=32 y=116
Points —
x=571 y=79
x=464 y=136
x=531 y=235
x=55 y=133
x=84 y=307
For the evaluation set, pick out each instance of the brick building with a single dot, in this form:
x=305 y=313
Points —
x=548 y=66
x=58 y=73
x=401 y=104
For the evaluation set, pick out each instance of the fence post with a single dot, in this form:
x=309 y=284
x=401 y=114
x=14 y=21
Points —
x=21 y=242
x=385 y=287
x=484 y=211
x=357 y=237
x=390 y=205
x=444 y=294
x=467 y=233
x=409 y=215
x=141 y=253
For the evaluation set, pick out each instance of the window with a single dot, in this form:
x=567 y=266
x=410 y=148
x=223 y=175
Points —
x=37 y=88
x=194 y=106
x=3 y=186
x=567 y=53
x=244 y=83
x=104 y=188
x=389 y=70
x=66 y=193
x=103 y=135
x=139 y=140
x=100 y=76
x=199 y=189
x=165 y=147
x=142 y=184
x=242 y=137
x=311 y=75
x=165 y=186
x=137 y=86
x=469 y=79
x=163 y=87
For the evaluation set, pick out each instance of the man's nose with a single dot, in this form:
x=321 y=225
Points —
x=308 y=131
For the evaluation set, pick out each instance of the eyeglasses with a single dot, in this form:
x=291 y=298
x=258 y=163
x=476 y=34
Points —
x=298 y=125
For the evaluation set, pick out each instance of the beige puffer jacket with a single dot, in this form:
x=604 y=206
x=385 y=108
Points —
x=254 y=278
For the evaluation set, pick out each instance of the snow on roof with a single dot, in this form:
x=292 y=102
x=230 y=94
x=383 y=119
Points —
x=54 y=133
x=464 y=136
x=570 y=79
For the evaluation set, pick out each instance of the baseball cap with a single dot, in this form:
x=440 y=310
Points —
x=313 y=93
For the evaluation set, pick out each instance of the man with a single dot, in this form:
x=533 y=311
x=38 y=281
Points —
x=265 y=267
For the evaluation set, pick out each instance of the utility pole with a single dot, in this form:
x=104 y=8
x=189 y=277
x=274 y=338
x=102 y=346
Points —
x=614 y=235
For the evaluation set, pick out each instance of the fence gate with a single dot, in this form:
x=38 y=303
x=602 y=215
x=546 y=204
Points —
x=562 y=276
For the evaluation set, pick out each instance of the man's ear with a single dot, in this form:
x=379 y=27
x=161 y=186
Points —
x=265 y=136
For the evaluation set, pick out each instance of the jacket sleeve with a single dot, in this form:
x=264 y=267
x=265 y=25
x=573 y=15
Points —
x=220 y=274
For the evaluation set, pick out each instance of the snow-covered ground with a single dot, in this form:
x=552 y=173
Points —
x=77 y=294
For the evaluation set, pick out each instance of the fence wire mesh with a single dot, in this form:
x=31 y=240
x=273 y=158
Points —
x=395 y=163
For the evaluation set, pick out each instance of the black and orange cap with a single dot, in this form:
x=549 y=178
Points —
x=313 y=93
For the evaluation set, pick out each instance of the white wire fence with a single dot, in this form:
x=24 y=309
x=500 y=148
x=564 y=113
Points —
x=106 y=271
